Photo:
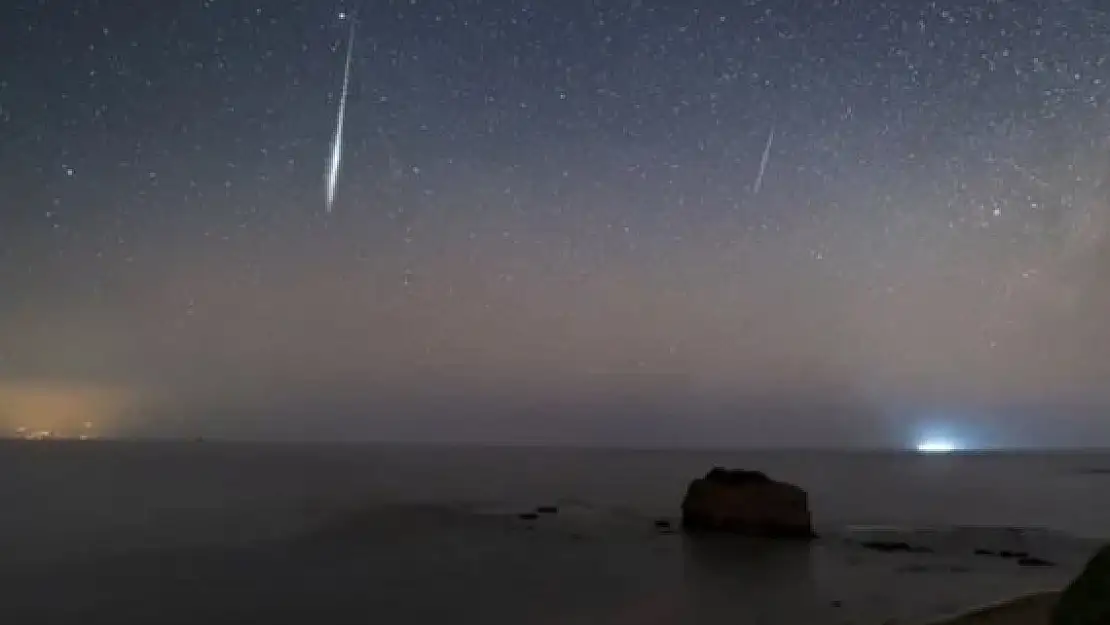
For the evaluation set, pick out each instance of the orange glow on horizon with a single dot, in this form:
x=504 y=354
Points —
x=64 y=410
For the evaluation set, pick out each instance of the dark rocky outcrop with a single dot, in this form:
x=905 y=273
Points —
x=547 y=509
x=1086 y=600
x=746 y=502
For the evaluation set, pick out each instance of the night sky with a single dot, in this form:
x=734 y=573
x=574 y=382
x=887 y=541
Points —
x=550 y=223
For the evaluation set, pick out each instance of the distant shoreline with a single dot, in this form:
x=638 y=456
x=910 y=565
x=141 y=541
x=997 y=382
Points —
x=910 y=451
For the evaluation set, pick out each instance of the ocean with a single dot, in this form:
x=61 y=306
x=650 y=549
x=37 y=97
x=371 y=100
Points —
x=221 y=532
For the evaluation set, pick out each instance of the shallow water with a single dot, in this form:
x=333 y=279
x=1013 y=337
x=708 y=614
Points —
x=330 y=534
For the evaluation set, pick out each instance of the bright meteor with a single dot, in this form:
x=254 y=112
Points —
x=336 y=158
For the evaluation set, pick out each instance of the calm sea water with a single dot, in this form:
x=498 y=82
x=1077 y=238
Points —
x=62 y=495
x=68 y=507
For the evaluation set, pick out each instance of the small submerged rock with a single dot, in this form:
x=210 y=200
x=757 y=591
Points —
x=890 y=546
x=1095 y=471
x=663 y=526
x=926 y=568
x=1023 y=557
x=528 y=516
x=547 y=509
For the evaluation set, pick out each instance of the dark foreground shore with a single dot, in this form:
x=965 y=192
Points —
x=1031 y=609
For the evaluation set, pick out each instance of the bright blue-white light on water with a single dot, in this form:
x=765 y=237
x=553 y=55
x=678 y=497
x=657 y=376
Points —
x=937 y=446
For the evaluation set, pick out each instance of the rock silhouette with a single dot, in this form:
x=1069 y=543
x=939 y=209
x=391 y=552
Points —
x=746 y=502
x=1086 y=600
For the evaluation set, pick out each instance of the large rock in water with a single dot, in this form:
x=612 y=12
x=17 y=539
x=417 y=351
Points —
x=746 y=502
x=1086 y=600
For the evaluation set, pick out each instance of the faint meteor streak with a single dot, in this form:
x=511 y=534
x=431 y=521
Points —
x=336 y=158
x=1025 y=172
x=763 y=162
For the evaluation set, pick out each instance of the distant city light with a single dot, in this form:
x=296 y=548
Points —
x=29 y=434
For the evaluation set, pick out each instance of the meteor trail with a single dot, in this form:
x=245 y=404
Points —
x=763 y=162
x=332 y=176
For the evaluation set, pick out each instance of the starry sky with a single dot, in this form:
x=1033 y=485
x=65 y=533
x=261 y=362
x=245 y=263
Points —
x=737 y=222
